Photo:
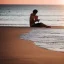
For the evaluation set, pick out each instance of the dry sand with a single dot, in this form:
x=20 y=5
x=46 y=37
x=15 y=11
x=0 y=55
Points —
x=14 y=50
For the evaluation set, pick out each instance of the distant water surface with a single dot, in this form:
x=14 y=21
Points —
x=19 y=14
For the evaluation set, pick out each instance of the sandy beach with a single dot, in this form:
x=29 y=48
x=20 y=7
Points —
x=14 y=50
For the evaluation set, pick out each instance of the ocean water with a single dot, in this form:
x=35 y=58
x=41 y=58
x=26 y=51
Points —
x=51 y=39
x=18 y=15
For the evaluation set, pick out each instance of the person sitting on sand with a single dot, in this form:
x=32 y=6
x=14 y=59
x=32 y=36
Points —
x=34 y=18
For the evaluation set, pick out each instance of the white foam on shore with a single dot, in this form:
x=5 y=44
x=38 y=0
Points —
x=52 y=39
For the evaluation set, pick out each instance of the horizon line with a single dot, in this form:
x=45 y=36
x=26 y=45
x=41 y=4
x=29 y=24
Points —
x=31 y=4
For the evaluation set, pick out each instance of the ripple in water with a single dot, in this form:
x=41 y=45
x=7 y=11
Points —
x=52 y=39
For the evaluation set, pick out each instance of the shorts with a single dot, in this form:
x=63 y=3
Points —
x=36 y=25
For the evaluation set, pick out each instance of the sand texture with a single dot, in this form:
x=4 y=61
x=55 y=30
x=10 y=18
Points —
x=14 y=50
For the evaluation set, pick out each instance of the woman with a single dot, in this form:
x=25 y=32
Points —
x=34 y=18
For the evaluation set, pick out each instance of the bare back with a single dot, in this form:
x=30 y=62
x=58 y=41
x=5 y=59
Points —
x=32 y=19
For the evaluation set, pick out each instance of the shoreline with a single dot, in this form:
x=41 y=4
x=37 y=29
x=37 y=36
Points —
x=53 y=27
x=14 y=50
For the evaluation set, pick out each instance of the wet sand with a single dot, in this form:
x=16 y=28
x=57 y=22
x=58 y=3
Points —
x=14 y=50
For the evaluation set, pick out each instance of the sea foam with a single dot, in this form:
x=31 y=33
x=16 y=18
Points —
x=51 y=39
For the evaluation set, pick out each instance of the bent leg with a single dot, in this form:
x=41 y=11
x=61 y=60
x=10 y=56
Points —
x=44 y=25
x=40 y=25
x=36 y=25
